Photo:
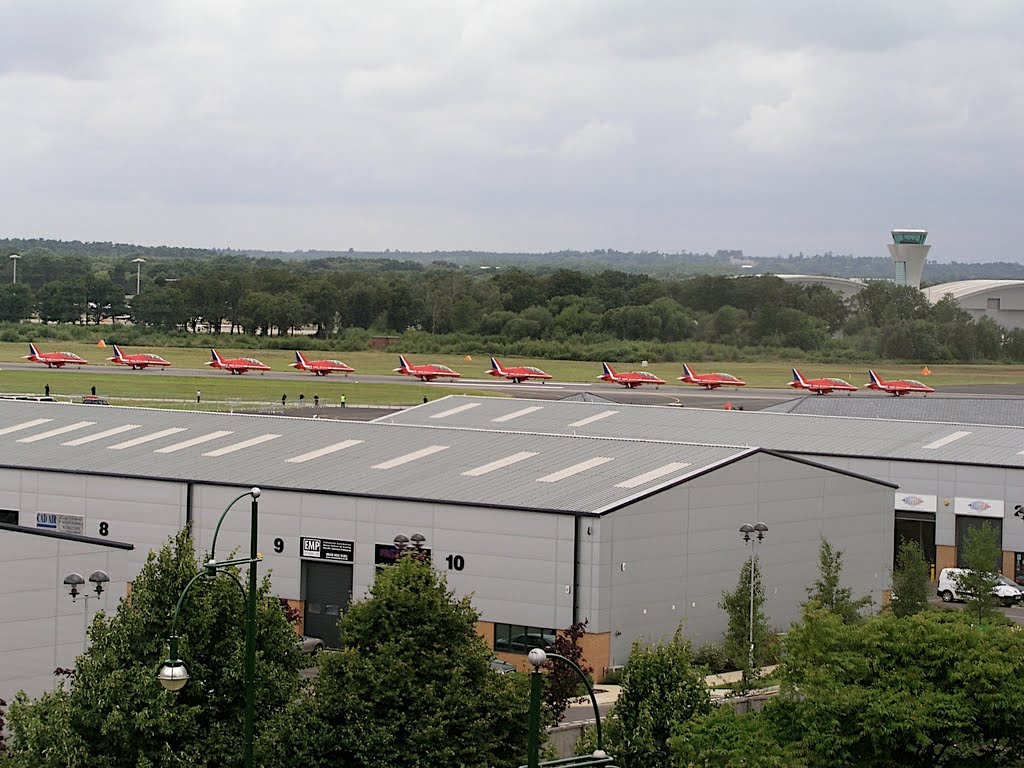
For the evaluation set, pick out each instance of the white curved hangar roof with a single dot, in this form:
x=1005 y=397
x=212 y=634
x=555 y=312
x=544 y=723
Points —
x=962 y=289
x=847 y=286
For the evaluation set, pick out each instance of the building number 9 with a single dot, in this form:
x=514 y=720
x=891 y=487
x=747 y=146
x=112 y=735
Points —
x=279 y=545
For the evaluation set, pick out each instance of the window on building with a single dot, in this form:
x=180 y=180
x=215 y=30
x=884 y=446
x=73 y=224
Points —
x=517 y=638
x=9 y=516
x=992 y=303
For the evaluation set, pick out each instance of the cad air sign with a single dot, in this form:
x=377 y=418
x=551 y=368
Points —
x=335 y=550
x=50 y=521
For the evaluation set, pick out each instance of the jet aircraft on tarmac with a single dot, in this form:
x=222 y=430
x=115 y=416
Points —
x=53 y=359
x=517 y=374
x=137 y=362
x=319 y=367
x=427 y=372
x=897 y=387
x=820 y=386
x=630 y=380
x=710 y=380
x=237 y=365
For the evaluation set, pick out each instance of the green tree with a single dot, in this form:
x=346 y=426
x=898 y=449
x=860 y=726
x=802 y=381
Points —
x=661 y=688
x=981 y=554
x=16 y=302
x=827 y=593
x=910 y=580
x=918 y=691
x=724 y=739
x=411 y=686
x=736 y=604
x=115 y=714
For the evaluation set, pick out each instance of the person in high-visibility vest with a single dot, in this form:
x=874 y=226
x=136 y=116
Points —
x=342 y=401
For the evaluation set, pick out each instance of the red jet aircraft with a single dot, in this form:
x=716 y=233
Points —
x=710 y=380
x=425 y=372
x=820 y=386
x=53 y=359
x=518 y=374
x=897 y=387
x=237 y=365
x=139 y=362
x=319 y=367
x=629 y=380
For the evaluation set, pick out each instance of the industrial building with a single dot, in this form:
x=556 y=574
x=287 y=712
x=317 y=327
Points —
x=547 y=513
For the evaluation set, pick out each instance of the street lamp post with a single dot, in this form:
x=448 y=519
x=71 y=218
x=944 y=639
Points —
x=759 y=529
x=138 y=273
x=14 y=261
x=74 y=580
x=598 y=757
x=173 y=674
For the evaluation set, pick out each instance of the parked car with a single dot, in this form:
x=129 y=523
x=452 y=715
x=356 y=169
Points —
x=950 y=589
x=526 y=643
x=93 y=400
x=310 y=646
x=502 y=667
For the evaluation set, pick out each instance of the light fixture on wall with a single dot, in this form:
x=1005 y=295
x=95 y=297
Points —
x=74 y=580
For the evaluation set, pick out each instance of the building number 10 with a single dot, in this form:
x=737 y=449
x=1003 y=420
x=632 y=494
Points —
x=456 y=562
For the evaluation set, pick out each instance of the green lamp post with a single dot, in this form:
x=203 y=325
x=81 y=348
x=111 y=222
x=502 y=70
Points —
x=173 y=675
x=599 y=757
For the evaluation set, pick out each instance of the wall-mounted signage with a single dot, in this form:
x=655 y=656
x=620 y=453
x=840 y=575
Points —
x=978 y=507
x=916 y=502
x=328 y=549
x=61 y=523
x=386 y=554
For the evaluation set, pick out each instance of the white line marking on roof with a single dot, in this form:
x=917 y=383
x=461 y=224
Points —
x=517 y=414
x=654 y=474
x=421 y=453
x=194 y=441
x=592 y=419
x=24 y=425
x=57 y=431
x=105 y=433
x=946 y=440
x=242 y=445
x=575 y=469
x=453 y=411
x=146 y=438
x=515 y=458
x=323 y=451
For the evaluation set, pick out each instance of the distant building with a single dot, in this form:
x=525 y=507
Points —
x=908 y=253
x=1001 y=300
x=845 y=286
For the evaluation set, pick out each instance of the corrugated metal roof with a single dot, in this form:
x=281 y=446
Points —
x=995 y=411
x=795 y=433
x=547 y=472
x=963 y=288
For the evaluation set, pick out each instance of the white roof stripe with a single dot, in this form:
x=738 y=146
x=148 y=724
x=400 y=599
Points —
x=421 y=453
x=517 y=414
x=508 y=461
x=193 y=441
x=592 y=419
x=100 y=435
x=453 y=411
x=322 y=451
x=57 y=431
x=24 y=425
x=575 y=469
x=946 y=440
x=654 y=474
x=242 y=445
x=146 y=438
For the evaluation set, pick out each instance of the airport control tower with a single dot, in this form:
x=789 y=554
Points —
x=908 y=253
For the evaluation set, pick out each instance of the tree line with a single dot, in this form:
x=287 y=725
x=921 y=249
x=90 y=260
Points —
x=441 y=307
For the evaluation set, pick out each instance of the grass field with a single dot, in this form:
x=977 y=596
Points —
x=176 y=384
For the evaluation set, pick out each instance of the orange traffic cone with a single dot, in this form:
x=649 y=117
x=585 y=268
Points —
x=101 y=343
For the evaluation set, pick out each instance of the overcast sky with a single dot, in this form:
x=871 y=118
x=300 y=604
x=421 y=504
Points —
x=515 y=125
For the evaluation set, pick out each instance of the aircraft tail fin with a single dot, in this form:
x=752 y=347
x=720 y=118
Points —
x=874 y=377
x=687 y=373
x=117 y=352
x=214 y=357
x=608 y=370
x=403 y=364
x=32 y=351
x=495 y=365
x=797 y=377
x=299 y=358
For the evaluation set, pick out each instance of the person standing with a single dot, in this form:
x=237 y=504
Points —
x=199 y=395
x=94 y=390
x=316 y=401
x=302 y=399
x=46 y=390
x=342 y=401
x=284 y=399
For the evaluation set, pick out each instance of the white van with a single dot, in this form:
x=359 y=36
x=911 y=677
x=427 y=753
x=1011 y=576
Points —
x=949 y=587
